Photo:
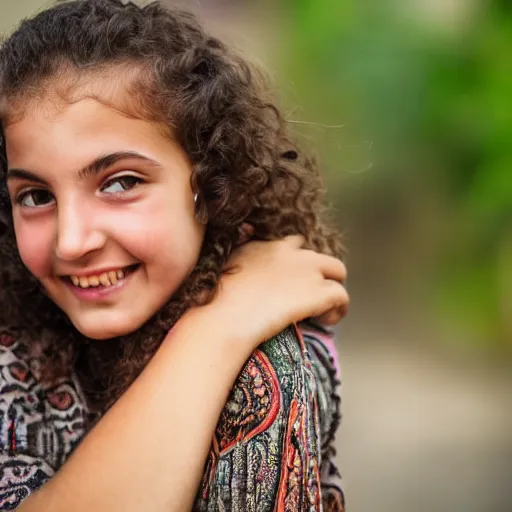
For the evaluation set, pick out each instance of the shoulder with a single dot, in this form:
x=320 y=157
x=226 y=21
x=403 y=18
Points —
x=39 y=425
x=270 y=385
x=267 y=447
x=20 y=476
x=320 y=343
x=39 y=421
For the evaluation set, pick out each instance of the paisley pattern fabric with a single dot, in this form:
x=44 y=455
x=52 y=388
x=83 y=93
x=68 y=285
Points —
x=39 y=426
x=272 y=449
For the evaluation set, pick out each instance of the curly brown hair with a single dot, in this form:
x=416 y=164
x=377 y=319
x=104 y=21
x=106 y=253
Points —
x=246 y=167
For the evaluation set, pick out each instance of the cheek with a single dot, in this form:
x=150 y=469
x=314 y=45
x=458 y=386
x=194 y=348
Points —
x=162 y=236
x=35 y=248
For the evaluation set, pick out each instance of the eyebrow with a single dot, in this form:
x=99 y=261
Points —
x=95 y=167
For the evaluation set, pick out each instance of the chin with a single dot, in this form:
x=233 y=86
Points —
x=106 y=330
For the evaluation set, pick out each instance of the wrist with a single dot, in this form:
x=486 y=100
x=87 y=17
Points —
x=210 y=328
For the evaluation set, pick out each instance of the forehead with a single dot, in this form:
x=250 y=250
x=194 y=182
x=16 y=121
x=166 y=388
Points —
x=55 y=142
x=78 y=115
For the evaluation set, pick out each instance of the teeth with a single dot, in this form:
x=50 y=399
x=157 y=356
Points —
x=106 y=279
x=113 y=277
x=94 y=281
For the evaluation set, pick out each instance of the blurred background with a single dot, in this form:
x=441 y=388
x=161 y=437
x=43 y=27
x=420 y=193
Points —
x=408 y=106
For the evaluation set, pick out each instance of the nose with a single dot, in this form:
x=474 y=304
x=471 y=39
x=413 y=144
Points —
x=77 y=232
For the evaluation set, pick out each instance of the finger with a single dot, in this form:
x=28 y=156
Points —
x=333 y=302
x=333 y=316
x=334 y=269
x=337 y=295
x=331 y=267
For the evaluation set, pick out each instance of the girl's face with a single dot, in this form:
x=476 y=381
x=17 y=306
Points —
x=103 y=213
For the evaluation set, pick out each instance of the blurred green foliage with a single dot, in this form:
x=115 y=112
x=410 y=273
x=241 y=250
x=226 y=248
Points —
x=417 y=96
x=434 y=96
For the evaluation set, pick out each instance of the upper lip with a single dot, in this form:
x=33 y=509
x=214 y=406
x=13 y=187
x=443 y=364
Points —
x=93 y=272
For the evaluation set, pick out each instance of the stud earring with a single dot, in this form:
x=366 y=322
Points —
x=195 y=198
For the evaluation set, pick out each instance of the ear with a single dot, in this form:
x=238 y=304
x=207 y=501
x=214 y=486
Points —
x=245 y=232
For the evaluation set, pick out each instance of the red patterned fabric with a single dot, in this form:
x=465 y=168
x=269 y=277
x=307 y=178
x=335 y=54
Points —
x=272 y=449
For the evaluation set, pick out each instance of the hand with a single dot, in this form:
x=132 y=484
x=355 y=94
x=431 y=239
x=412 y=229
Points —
x=272 y=284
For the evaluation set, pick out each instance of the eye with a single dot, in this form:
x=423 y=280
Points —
x=121 y=184
x=35 y=198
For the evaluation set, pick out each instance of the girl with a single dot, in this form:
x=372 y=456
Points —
x=138 y=155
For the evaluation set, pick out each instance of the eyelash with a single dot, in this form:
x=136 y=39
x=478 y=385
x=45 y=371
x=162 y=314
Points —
x=138 y=181
x=23 y=195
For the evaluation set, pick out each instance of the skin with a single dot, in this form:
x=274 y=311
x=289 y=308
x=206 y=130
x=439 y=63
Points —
x=82 y=225
x=71 y=220
x=278 y=283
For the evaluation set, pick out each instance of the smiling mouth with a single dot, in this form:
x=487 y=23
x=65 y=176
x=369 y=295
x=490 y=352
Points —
x=104 y=280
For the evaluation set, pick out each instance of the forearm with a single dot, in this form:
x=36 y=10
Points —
x=148 y=452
